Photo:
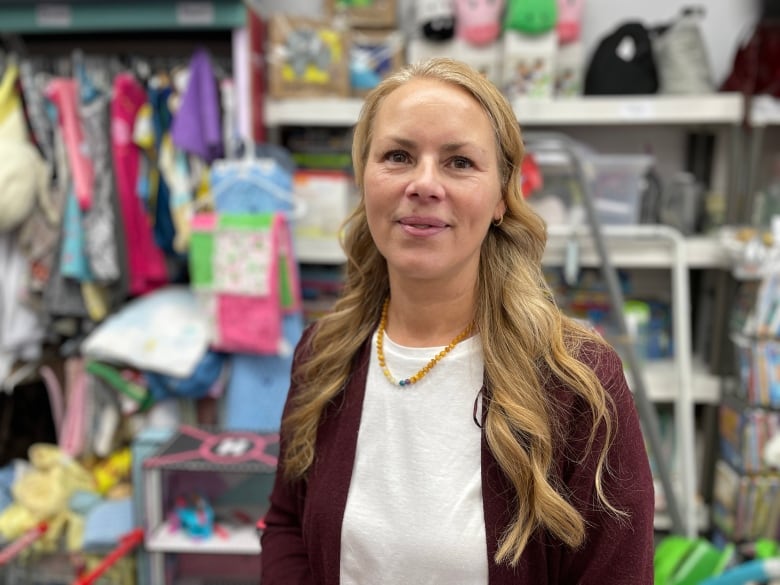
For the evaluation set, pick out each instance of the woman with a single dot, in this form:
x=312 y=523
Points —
x=446 y=423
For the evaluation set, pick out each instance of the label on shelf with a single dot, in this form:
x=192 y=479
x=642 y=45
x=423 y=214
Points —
x=195 y=13
x=639 y=110
x=53 y=15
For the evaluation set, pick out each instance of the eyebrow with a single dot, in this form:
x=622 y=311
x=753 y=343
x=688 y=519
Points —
x=448 y=147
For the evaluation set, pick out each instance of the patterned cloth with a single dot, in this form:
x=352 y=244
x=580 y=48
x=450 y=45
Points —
x=242 y=268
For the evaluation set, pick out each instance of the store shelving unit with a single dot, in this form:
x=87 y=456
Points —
x=77 y=16
x=764 y=114
x=581 y=111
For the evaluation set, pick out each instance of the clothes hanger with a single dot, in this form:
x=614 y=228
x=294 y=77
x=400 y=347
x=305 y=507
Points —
x=241 y=175
x=23 y=373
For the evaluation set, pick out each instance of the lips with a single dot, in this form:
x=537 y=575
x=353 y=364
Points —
x=422 y=222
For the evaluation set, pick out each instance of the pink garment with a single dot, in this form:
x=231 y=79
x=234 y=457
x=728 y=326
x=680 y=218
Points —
x=73 y=429
x=63 y=92
x=249 y=290
x=145 y=261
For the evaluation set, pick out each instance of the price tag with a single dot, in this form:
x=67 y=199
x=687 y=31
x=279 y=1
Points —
x=195 y=13
x=639 y=110
x=53 y=15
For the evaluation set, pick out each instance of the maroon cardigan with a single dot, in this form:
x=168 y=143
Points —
x=301 y=544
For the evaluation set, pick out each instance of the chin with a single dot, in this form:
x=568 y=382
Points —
x=415 y=269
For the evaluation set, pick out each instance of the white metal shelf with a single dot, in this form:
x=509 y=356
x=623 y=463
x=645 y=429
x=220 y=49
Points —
x=718 y=108
x=633 y=247
x=232 y=539
x=701 y=252
x=662 y=381
x=319 y=251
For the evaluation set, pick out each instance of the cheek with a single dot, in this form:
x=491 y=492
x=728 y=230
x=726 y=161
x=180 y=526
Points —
x=378 y=187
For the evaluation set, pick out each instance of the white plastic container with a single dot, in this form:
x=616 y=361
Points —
x=617 y=183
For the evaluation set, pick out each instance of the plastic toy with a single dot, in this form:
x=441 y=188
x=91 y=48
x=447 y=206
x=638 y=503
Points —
x=569 y=19
x=684 y=561
x=759 y=570
x=478 y=22
x=436 y=19
x=112 y=470
x=532 y=17
x=196 y=517
x=764 y=567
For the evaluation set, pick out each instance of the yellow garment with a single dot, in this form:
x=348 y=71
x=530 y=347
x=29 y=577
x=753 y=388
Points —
x=9 y=96
x=95 y=300
x=143 y=136
x=112 y=470
x=175 y=169
x=13 y=126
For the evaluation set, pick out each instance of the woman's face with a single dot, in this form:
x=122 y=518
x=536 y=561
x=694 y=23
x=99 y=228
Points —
x=431 y=182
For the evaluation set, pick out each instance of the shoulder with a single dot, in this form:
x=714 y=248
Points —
x=603 y=359
x=606 y=364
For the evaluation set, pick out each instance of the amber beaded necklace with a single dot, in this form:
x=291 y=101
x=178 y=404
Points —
x=380 y=336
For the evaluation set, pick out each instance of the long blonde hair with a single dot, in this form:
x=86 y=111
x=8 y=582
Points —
x=525 y=337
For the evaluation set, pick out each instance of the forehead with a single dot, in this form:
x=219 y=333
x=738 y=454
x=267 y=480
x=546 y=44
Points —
x=431 y=102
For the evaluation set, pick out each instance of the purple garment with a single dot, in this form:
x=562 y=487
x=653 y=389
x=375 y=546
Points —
x=302 y=539
x=197 y=128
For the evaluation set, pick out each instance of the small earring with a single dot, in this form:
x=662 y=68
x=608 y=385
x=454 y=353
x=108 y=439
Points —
x=498 y=222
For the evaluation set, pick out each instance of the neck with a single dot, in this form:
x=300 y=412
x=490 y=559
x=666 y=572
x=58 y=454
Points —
x=428 y=321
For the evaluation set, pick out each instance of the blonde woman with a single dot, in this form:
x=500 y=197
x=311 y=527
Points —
x=446 y=423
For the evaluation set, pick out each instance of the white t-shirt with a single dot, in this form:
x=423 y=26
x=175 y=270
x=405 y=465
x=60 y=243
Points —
x=414 y=513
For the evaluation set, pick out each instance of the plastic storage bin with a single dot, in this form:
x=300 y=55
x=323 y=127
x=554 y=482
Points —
x=617 y=183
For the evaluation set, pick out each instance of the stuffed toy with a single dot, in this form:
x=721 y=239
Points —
x=43 y=494
x=531 y=17
x=569 y=20
x=24 y=183
x=436 y=19
x=24 y=173
x=478 y=22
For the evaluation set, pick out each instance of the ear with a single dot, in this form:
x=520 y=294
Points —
x=500 y=210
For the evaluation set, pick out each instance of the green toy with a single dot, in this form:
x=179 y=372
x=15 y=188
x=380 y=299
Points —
x=531 y=17
x=684 y=561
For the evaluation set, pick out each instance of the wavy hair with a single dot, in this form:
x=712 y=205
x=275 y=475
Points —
x=525 y=338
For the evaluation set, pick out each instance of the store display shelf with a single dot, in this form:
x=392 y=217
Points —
x=25 y=17
x=231 y=539
x=701 y=251
x=723 y=108
x=662 y=382
x=716 y=108
x=319 y=251
x=663 y=522
x=765 y=111
x=629 y=248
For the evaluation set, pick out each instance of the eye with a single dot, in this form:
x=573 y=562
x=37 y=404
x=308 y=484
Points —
x=396 y=156
x=461 y=162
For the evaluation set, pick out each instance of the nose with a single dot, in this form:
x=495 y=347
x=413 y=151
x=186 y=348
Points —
x=426 y=180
